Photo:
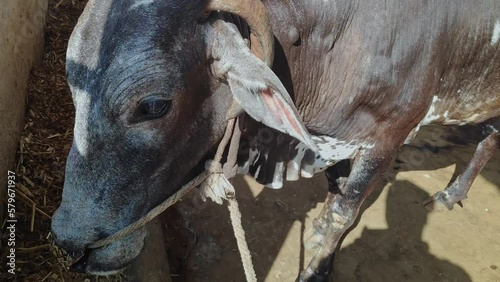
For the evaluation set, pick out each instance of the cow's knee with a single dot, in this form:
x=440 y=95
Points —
x=337 y=176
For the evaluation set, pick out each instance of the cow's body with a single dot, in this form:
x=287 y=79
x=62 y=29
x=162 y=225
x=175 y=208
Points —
x=365 y=71
x=153 y=83
x=354 y=66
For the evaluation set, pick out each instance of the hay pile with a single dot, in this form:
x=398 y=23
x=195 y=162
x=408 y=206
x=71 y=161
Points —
x=42 y=152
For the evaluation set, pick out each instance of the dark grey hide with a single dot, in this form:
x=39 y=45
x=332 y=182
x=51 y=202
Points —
x=152 y=82
x=123 y=161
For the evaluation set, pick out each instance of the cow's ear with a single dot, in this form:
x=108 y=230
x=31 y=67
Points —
x=262 y=96
x=255 y=86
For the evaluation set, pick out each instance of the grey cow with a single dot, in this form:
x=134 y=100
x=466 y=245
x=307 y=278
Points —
x=154 y=83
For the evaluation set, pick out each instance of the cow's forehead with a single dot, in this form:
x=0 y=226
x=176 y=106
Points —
x=111 y=23
x=138 y=4
x=89 y=29
x=114 y=41
x=106 y=25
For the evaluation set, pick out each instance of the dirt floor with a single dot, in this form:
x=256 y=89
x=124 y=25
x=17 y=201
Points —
x=42 y=152
x=397 y=239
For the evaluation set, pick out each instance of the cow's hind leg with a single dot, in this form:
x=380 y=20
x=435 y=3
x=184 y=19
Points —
x=337 y=177
x=458 y=190
x=340 y=213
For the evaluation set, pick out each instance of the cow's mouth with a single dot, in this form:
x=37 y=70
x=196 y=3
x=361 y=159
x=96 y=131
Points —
x=113 y=258
x=81 y=264
x=88 y=264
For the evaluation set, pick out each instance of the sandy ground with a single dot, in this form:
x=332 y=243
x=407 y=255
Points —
x=397 y=239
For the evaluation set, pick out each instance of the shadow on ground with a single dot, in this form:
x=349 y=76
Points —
x=396 y=253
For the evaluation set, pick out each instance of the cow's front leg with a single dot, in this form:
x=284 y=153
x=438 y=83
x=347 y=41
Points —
x=458 y=190
x=337 y=178
x=340 y=213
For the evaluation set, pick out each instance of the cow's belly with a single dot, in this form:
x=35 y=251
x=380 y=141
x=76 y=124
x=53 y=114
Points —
x=303 y=163
x=462 y=110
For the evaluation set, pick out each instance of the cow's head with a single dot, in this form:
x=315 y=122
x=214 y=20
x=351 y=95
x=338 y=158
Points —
x=153 y=83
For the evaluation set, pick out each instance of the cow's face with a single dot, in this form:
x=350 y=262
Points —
x=152 y=83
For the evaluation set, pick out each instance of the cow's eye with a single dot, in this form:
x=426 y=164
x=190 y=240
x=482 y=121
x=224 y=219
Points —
x=152 y=108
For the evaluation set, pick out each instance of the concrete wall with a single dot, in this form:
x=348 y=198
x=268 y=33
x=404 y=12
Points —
x=21 y=45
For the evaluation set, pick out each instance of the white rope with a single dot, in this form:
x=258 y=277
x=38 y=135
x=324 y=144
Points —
x=218 y=188
x=239 y=234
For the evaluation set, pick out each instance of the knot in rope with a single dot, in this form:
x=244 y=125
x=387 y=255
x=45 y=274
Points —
x=216 y=186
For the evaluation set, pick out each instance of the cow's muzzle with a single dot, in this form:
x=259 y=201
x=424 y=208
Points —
x=107 y=260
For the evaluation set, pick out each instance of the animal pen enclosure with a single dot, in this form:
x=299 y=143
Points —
x=395 y=240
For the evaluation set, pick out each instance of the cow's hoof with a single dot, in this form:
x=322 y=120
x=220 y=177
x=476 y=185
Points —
x=439 y=202
x=308 y=275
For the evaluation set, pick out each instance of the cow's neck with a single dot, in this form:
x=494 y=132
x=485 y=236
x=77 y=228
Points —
x=306 y=33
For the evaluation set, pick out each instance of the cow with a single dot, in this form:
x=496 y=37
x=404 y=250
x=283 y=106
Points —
x=154 y=83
